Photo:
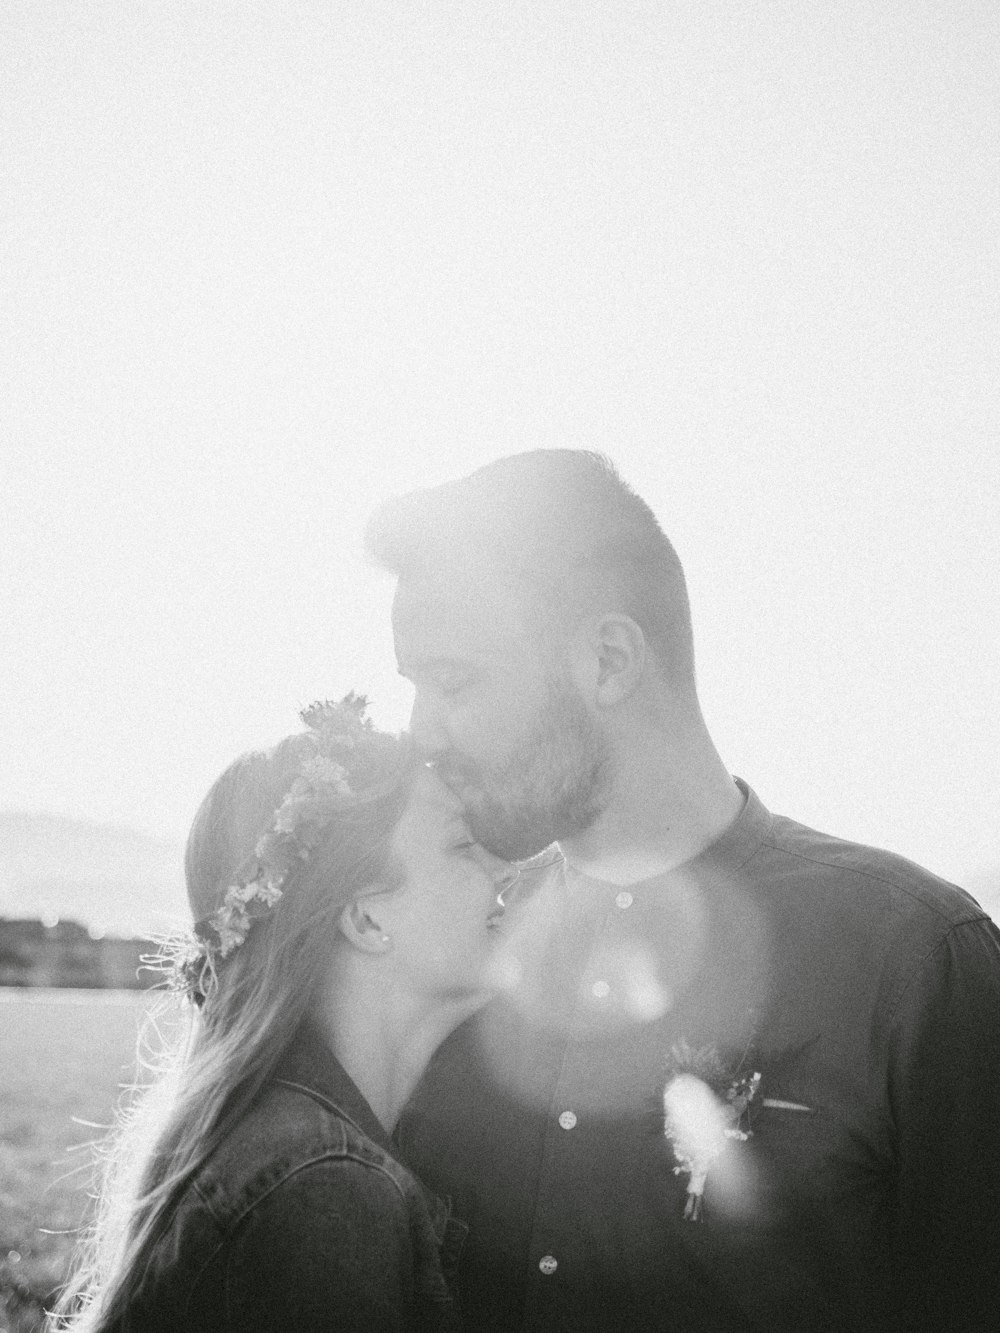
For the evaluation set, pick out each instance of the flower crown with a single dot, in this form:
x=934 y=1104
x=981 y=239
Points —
x=334 y=730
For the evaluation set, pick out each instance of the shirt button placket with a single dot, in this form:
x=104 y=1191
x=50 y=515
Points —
x=555 y=1259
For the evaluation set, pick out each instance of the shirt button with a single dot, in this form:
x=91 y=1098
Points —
x=567 y=1120
x=623 y=900
x=548 y=1265
x=601 y=989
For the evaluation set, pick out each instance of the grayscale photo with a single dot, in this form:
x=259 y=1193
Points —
x=500 y=809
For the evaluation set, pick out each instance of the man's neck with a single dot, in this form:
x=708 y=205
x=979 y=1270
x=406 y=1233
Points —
x=656 y=820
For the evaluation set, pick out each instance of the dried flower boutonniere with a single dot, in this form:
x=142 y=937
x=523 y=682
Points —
x=704 y=1107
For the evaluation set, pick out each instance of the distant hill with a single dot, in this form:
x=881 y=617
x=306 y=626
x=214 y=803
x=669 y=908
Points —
x=107 y=877
x=113 y=878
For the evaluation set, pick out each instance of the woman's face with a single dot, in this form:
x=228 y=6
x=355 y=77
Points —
x=442 y=922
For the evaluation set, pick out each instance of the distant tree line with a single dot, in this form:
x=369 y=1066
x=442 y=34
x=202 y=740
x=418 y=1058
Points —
x=67 y=954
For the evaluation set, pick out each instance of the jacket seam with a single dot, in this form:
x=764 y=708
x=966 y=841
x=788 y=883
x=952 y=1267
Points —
x=206 y=1201
x=322 y=1099
x=232 y=1227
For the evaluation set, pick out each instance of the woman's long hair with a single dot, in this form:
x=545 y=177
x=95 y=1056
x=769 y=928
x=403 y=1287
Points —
x=215 y=1069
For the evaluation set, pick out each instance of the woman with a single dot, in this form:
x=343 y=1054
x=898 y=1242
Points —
x=345 y=925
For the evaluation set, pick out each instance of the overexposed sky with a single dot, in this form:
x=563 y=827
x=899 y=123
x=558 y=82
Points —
x=263 y=265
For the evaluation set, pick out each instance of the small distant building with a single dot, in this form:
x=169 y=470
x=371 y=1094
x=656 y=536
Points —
x=66 y=954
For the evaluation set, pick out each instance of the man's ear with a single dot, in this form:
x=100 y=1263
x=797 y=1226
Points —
x=360 y=926
x=611 y=657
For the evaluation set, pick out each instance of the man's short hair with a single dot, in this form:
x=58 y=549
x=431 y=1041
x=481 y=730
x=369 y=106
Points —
x=559 y=526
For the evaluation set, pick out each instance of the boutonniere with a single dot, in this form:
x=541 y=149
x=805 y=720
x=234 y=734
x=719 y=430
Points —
x=705 y=1107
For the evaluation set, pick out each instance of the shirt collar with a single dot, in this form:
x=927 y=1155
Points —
x=729 y=852
x=740 y=841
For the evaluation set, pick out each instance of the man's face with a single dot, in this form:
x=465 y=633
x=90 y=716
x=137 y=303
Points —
x=500 y=717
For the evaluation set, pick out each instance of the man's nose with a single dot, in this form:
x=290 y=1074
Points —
x=426 y=728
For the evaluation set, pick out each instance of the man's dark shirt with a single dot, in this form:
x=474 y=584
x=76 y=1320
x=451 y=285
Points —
x=859 y=1185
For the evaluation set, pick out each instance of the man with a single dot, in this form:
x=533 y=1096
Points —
x=746 y=1075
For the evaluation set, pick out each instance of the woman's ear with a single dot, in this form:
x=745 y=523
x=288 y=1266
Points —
x=612 y=653
x=360 y=926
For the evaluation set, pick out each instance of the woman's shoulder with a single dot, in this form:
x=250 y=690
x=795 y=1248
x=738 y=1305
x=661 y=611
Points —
x=343 y=1243
x=294 y=1142
x=299 y=1212
x=303 y=1209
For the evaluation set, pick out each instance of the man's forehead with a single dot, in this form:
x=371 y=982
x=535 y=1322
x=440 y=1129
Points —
x=435 y=618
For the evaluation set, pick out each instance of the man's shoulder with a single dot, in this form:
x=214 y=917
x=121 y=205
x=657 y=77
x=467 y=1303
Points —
x=838 y=872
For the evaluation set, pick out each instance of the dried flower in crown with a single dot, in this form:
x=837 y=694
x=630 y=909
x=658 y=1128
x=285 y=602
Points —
x=323 y=780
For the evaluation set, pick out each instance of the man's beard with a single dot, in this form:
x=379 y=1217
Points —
x=551 y=785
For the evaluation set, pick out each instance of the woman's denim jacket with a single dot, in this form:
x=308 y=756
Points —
x=303 y=1219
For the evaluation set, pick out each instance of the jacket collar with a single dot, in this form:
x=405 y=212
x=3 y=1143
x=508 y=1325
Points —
x=309 y=1065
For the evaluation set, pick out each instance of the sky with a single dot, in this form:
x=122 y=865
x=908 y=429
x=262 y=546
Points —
x=263 y=266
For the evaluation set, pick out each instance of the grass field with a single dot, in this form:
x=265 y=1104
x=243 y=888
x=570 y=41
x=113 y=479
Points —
x=64 y=1057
